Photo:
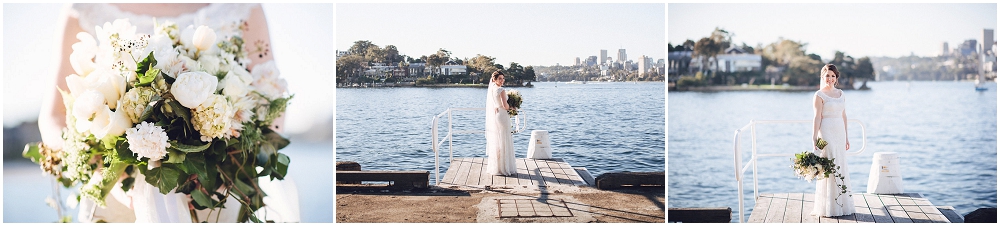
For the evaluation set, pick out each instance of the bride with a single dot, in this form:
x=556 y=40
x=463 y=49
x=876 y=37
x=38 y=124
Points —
x=499 y=143
x=143 y=203
x=830 y=123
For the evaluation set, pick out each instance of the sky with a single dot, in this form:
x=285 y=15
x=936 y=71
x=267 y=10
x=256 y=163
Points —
x=891 y=30
x=529 y=34
x=301 y=44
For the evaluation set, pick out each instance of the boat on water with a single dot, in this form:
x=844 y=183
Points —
x=576 y=82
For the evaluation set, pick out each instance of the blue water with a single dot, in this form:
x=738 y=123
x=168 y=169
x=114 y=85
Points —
x=605 y=127
x=25 y=189
x=944 y=132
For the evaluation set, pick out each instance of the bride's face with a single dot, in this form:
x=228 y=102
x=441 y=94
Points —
x=830 y=78
x=499 y=80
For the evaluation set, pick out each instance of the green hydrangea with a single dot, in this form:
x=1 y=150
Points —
x=135 y=102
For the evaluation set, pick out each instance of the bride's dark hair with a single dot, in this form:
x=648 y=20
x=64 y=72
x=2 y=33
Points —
x=495 y=74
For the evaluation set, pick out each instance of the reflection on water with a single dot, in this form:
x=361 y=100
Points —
x=604 y=127
x=25 y=190
x=944 y=132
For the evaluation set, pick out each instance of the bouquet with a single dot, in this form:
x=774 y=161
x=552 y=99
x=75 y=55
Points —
x=810 y=166
x=514 y=101
x=177 y=107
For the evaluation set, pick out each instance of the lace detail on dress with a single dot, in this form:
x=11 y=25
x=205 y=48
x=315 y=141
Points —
x=225 y=19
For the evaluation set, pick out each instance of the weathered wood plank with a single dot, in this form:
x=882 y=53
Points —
x=776 y=212
x=895 y=210
x=862 y=212
x=533 y=173
x=912 y=210
x=879 y=212
x=793 y=209
x=846 y=219
x=760 y=208
x=808 y=203
x=449 y=176
x=522 y=172
x=546 y=173
x=933 y=212
x=462 y=174
x=478 y=176
x=575 y=177
x=557 y=172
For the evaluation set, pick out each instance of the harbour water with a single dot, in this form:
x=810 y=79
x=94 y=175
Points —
x=605 y=127
x=945 y=134
x=25 y=189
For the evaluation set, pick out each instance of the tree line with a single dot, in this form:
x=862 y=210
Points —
x=364 y=54
x=784 y=61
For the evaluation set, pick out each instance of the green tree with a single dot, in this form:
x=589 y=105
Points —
x=529 y=74
x=515 y=74
x=865 y=71
x=360 y=47
x=391 y=54
x=349 y=68
x=483 y=66
x=375 y=54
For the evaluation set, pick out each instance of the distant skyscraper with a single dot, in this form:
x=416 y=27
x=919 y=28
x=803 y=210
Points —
x=604 y=55
x=944 y=48
x=621 y=56
x=591 y=60
x=987 y=39
x=577 y=61
x=643 y=64
x=968 y=47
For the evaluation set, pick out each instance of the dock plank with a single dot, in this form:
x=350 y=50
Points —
x=808 y=203
x=462 y=174
x=760 y=208
x=776 y=212
x=895 y=210
x=879 y=212
x=546 y=172
x=793 y=212
x=557 y=172
x=522 y=172
x=449 y=176
x=929 y=209
x=912 y=210
x=478 y=175
x=575 y=177
x=862 y=211
x=533 y=173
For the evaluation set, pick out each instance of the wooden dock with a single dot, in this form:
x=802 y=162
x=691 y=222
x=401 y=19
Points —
x=470 y=173
x=869 y=208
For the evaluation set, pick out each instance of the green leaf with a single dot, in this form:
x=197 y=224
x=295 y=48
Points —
x=245 y=188
x=175 y=157
x=265 y=153
x=31 y=152
x=148 y=77
x=125 y=154
x=145 y=64
x=128 y=183
x=202 y=200
x=281 y=169
x=275 y=139
x=175 y=145
x=150 y=108
x=163 y=177
x=183 y=113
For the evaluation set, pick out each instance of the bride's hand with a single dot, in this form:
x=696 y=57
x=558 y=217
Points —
x=848 y=145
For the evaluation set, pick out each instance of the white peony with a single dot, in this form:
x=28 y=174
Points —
x=210 y=63
x=147 y=140
x=110 y=123
x=76 y=84
x=109 y=83
x=213 y=118
x=86 y=107
x=187 y=37
x=203 y=38
x=120 y=27
x=82 y=58
x=268 y=82
x=192 y=88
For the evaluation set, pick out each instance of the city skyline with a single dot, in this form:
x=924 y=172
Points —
x=528 y=34
x=875 y=30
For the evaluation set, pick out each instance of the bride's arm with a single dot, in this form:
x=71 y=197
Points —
x=52 y=115
x=503 y=99
x=257 y=41
x=817 y=118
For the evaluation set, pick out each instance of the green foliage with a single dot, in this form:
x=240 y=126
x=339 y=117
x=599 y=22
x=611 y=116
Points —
x=164 y=177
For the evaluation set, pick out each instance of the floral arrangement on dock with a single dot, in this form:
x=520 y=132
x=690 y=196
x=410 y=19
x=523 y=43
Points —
x=178 y=108
x=514 y=101
x=810 y=166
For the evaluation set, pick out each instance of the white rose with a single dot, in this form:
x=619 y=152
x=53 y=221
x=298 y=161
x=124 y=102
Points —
x=233 y=86
x=110 y=123
x=148 y=140
x=109 y=83
x=87 y=105
x=210 y=63
x=192 y=88
x=242 y=73
x=82 y=58
x=267 y=81
x=203 y=38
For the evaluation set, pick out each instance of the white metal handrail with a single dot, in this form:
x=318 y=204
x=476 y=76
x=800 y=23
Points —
x=738 y=156
x=520 y=123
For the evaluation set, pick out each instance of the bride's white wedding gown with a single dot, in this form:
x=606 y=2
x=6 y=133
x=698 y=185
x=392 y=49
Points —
x=499 y=143
x=828 y=200
x=144 y=203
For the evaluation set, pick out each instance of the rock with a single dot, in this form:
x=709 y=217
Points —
x=609 y=181
x=982 y=215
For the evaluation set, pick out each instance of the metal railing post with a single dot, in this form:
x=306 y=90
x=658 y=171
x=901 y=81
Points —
x=434 y=135
x=451 y=151
x=739 y=167
x=753 y=158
